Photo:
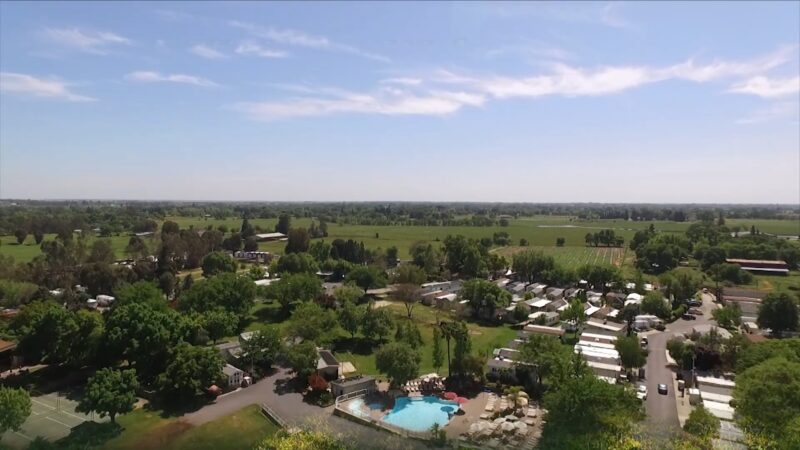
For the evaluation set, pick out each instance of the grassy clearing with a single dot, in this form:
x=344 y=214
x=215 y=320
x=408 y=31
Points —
x=484 y=340
x=29 y=249
x=144 y=429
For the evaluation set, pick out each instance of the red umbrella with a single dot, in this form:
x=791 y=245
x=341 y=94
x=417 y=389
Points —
x=450 y=395
x=461 y=400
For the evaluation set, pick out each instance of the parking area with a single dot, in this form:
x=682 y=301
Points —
x=52 y=417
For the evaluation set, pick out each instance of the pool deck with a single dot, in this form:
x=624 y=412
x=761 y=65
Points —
x=459 y=424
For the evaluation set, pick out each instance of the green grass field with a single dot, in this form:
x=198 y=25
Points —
x=541 y=231
x=484 y=340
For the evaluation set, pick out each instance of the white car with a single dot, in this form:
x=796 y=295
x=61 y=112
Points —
x=641 y=392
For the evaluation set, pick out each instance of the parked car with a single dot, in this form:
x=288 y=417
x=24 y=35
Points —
x=696 y=311
x=688 y=316
x=643 y=342
x=694 y=303
x=662 y=389
x=641 y=392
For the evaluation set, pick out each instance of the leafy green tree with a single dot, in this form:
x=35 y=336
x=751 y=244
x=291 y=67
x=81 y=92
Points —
x=15 y=407
x=437 y=355
x=484 y=297
x=576 y=313
x=427 y=257
x=320 y=250
x=312 y=322
x=681 y=285
x=788 y=349
x=350 y=317
x=377 y=323
x=218 y=262
x=547 y=355
x=702 y=424
x=141 y=292
x=392 y=258
x=606 y=412
x=302 y=287
x=219 y=323
x=398 y=361
x=20 y=234
x=654 y=303
x=101 y=252
x=599 y=276
x=409 y=274
x=228 y=291
x=367 y=277
x=767 y=397
x=347 y=293
x=250 y=244
x=170 y=227
x=284 y=223
x=303 y=359
x=296 y=263
x=110 y=392
x=263 y=347
x=298 y=241
x=247 y=229
x=410 y=295
x=143 y=336
x=729 y=316
x=233 y=243
x=778 y=312
x=190 y=370
x=631 y=354
x=530 y=264
x=408 y=332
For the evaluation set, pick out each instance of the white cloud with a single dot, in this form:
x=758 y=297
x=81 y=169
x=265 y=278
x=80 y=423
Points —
x=95 y=42
x=388 y=101
x=251 y=48
x=781 y=110
x=404 y=81
x=23 y=84
x=207 y=52
x=156 y=77
x=768 y=87
x=302 y=39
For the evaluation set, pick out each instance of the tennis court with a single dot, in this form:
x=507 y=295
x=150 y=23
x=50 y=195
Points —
x=52 y=417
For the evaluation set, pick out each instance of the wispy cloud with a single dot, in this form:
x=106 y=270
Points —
x=22 y=84
x=250 y=48
x=446 y=92
x=207 y=52
x=385 y=101
x=88 y=41
x=776 y=111
x=404 y=81
x=302 y=39
x=768 y=87
x=156 y=77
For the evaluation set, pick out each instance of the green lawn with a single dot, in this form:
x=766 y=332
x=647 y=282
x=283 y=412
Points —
x=29 y=249
x=149 y=430
x=484 y=340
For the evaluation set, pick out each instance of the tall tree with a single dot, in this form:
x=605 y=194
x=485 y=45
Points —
x=350 y=317
x=110 y=392
x=377 y=323
x=15 y=407
x=367 y=277
x=300 y=287
x=233 y=293
x=298 y=241
x=20 y=234
x=218 y=262
x=768 y=397
x=631 y=354
x=437 y=355
x=303 y=359
x=312 y=323
x=262 y=348
x=190 y=370
x=398 y=361
x=778 y=312
x=409 y=294
x=702 y=423
x=247 y=229
x=284 y=223
x=219 y=323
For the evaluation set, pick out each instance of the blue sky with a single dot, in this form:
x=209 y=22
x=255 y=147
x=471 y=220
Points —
x=536 y=102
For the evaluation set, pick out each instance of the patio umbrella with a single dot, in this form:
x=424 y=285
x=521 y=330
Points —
x=523 y=394
x=507 y=426
x=511 y=418
x=522 y=401
x=461 y=400
x=450 y=395
x=521 y=427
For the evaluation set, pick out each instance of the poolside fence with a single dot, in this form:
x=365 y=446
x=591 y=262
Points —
x=272 y=415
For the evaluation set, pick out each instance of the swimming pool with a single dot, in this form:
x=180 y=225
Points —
x=420 y=413
x=359 y=408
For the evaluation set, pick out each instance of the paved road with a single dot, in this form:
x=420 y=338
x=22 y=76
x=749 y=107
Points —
x=291 y=408
x=662 y=411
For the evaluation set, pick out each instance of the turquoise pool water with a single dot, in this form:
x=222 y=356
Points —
x=358 y=407
x=419 y=414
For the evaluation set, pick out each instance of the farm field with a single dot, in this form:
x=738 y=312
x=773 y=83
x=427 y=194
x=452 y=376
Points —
x=540 y=231
x=573 y=257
